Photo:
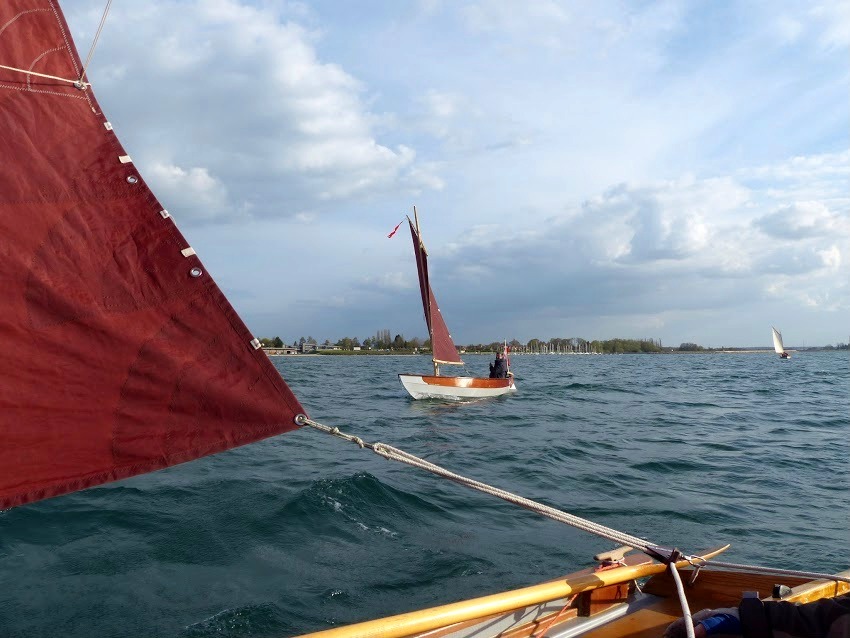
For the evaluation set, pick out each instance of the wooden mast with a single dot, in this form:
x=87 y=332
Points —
x=430 y=321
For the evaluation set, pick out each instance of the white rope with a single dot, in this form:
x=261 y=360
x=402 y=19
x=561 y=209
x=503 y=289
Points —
x=43 y=75
x=395 y=454
x=622 y=538
x=96 y=37
x=391 y=453
x=683 y=600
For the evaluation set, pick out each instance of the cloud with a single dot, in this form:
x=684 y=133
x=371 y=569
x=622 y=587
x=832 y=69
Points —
x=194 y=194
x=834 y=21
x=660 y=248
x=800 y=220
x=258 y=109
x=634 y=165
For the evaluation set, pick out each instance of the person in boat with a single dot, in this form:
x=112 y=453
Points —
x=499 y=369
x=824 y=618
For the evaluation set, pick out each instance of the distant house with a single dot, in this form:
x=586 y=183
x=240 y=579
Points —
x=355 y=348
x=308 y=347
x=329 y=347
x=274 y=352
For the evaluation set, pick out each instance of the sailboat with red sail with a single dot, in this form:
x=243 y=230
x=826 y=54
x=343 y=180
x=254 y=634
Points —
x=444 y=351
x=150 y=366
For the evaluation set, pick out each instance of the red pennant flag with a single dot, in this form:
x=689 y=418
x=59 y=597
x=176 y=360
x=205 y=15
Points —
x=390 y=236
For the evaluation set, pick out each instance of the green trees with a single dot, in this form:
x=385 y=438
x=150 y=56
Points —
x=383 y=342
x=690 y=347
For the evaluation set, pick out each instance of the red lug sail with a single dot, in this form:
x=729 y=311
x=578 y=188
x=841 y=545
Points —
x=441 y=341
x=119 y=355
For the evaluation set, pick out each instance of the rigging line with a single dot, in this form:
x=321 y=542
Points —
x=96 y=37
x=43 y=75
x=391 y=453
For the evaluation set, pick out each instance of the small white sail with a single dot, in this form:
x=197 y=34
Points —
x=777 y=341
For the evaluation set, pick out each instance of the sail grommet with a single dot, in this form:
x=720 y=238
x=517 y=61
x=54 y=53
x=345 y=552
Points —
x=132 y=179
x=196 y=272
x=300 y=419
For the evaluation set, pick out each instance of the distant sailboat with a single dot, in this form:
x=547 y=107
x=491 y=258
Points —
x=777 y=345
x=443 y=347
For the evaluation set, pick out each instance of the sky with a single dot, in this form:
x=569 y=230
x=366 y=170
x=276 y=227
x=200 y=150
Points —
x=672 y=170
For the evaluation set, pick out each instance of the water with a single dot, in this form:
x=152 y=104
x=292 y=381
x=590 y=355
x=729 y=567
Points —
x=304 y=531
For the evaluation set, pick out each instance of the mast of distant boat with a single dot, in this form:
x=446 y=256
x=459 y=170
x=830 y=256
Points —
x=430 y=329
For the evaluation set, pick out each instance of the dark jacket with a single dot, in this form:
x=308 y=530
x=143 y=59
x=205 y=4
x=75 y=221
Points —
x=499 y=369
x=825 y=618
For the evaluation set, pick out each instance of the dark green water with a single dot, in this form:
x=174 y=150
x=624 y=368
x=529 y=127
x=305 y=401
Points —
x=303 y=531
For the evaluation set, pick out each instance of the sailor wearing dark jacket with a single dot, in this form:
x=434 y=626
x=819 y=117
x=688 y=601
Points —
x=754 y=618
x=499 y=369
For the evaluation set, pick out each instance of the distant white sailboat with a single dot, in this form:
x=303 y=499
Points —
x=778 y=346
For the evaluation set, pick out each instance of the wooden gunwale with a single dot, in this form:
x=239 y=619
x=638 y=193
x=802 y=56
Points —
x=417 y=622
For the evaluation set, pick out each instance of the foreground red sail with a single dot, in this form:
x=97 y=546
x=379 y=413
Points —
x=441 y=341
x=119 y=355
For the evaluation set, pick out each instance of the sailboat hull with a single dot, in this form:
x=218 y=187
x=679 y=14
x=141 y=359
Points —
x=455 y=388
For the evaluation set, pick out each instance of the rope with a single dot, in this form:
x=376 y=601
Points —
x=683 y=600
x=391 y=453
x=541 y=633
x=622 y=538
x=94 y=42
x=44 y=75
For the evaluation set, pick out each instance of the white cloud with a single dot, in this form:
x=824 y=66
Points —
x=835 y=22
x=831 y=257
x=668 y=246
x=601 y=160
x=802 y=219
x=787 y=28
x=260 y=108
x=195 y=195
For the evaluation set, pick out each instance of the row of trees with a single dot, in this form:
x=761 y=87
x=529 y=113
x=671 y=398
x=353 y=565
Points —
x=384 y=341
x=381 y=341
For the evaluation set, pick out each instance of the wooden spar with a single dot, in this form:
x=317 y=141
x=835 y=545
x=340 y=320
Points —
x=430 y=330
x=429 y=619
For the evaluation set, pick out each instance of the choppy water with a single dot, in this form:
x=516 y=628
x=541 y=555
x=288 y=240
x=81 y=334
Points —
x=299 y=532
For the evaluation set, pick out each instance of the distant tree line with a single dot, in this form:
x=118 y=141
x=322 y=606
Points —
x=381 y=341
x=384 y=341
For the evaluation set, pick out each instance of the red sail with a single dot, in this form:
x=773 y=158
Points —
x=441 y=341
x=119 y=355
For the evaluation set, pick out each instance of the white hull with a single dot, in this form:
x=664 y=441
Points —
x=455 y=388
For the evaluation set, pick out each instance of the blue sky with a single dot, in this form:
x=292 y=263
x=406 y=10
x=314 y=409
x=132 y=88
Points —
x=675 y=170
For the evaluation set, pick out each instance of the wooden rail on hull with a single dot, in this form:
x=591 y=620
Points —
x=466 y=382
